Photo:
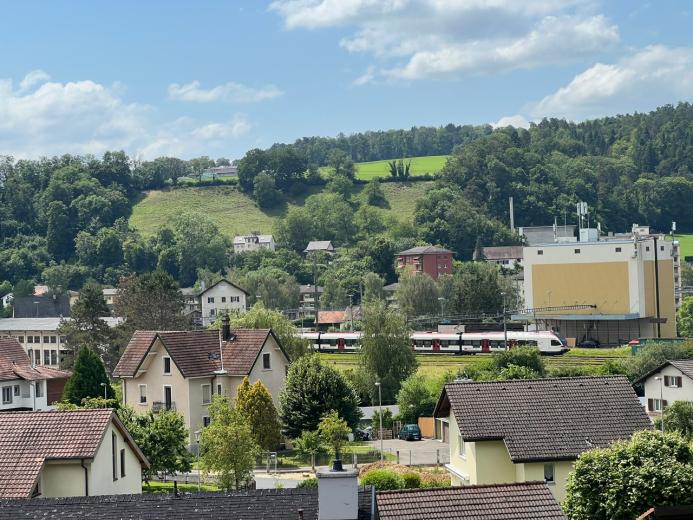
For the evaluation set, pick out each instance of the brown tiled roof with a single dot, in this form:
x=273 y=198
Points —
x=545 y=419
x=523 y=501
x=260 y=504
x=27 y=439
x=331 y=316
x=15 y=364
x=196 y=353
x=424 y=250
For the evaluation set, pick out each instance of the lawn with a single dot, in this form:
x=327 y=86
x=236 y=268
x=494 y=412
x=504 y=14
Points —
x=430 y=364
x=419 y=166
x=686 y=242
x=235 y=213
x=155 y=486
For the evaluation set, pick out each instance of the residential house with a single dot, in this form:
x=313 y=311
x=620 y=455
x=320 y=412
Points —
x=330 y=320
x=242 y=243
x=608 y=291
x=527 y=430
x=307 y=299
x=220 y=297
x=527 y=500
x=68 y=453
x=109 y=295
x=670 y=382
x=319 y=245
x=181 y=370
x=432 y=260
x=23 y=385
x=504 y=256
x=40 y=339
x=221 y=172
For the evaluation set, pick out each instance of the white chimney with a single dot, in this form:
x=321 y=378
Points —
x=338 y=495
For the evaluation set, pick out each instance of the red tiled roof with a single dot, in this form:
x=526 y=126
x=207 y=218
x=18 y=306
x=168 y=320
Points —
x=27 y=439
x=331 y=316
x=523 y=501
x=196 y=353
x=15 y=364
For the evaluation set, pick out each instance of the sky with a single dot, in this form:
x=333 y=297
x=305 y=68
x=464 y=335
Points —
x=217 y=78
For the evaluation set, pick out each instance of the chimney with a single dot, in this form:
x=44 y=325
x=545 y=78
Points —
x=225 y=327
x=338 y=495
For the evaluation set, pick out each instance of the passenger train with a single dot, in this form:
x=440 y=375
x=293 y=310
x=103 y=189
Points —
x=447 y=343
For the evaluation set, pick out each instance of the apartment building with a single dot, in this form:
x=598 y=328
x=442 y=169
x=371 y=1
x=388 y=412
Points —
x=432 y=260
x=242 y=243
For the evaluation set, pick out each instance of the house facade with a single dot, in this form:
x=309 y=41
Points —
x=242 y=243
x=670 y=382
x=67 y=454
x=182 y=370
x=223 y=296
x=528 y=430
x=24 y=386
x=432 y=260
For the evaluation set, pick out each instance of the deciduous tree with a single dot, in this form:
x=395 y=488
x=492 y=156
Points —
x=255 y=403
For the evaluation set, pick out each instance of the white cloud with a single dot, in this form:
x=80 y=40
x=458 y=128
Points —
x=42 y=117
x=518 y=121
x=654 y=76
x=417 y=39
x=365 y=78
x=231 y=91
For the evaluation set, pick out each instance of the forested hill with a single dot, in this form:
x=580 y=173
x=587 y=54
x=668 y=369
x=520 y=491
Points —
x=64 y=219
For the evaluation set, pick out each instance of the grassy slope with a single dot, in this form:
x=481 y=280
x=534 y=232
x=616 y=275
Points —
x=686 y=242
x=419 y=166
x=235 y=213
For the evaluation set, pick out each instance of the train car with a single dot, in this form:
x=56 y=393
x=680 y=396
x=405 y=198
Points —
x=447 y=343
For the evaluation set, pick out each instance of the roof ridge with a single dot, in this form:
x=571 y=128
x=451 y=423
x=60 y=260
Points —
x=470 y=486
x=544 y=379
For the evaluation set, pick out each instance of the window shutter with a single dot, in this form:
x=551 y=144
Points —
x=650 y=405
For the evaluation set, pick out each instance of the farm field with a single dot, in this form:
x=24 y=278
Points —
x=419 y=166
x=430 y=364
x=236 y=213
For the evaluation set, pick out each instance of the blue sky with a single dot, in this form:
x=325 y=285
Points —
x=217 y=78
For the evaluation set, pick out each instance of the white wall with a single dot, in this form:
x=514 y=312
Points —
x=275 y=377
x=26 y=395
x=669 y=394
x=101 y=469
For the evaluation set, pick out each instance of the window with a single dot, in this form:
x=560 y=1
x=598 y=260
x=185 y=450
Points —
x=54 y=357
x=661 y=248
x=62 y=339
x=549 y=475
x=673 y=381
x=618 y=249
x=223 y=299
x=122 y=462
x=54 y=339
x=218 y=389
x=16 y=390
x=20 y=339
x=37 y=357
x=647 y=248
x=46 y=339
x=212 y=312
x=461 y=448
x=577 y=251
x=30 y=339
x=6 y=395
x=206 y=394
x=266 y=361
x=114 y=455
x=234 y=299
x=205 y=421
x=167 y=365
x=46 y=357
x=37 y=339
x=143 y=394
x=656 y=405
x=540 y=251
x=38 y=388
x=210 y=299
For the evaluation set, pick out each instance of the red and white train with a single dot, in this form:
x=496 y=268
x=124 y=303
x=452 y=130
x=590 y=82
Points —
x=446 y=343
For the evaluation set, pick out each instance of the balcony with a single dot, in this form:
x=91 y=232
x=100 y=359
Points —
x=157 y=406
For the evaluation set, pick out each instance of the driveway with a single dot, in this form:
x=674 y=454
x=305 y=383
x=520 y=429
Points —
x=426 y=452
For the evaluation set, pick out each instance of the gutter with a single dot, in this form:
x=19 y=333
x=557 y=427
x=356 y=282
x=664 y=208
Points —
x=86 y=478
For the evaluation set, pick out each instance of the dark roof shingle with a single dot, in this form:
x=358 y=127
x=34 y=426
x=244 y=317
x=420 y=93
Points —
x=523 y=501
x=546 y=419
x=424 y=250
x=264 y=504
x=196 y=352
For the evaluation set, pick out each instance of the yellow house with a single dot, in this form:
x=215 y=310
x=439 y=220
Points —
x=67 y=454
x=529 y=430
x=182 y=370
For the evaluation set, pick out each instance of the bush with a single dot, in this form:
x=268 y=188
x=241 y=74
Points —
x=521 y=356
x=435 y=479
x=308 y=483
x=412 y=480
x=382 y=480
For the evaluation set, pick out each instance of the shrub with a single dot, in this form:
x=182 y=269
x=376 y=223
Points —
x=435 y=478
x=383 y=479
x=308 y=483
x=411 y=480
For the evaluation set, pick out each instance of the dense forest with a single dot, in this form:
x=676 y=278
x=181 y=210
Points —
x=63 y=220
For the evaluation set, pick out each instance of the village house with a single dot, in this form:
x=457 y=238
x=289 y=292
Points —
x=253 y=242
x=670 y=382
x=432 y=260
x=528 y=430
x=67 y=454
x=23 y=385
x=205 y=305
x=182 y=370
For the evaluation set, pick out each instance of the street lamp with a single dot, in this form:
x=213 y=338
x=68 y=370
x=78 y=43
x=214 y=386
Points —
x=661 y=398
x=105 y=391
x=505 y=325
x=199 y=475
x=380 y=414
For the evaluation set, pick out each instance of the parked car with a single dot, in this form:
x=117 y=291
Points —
x=410 y=432
x=590 y=343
